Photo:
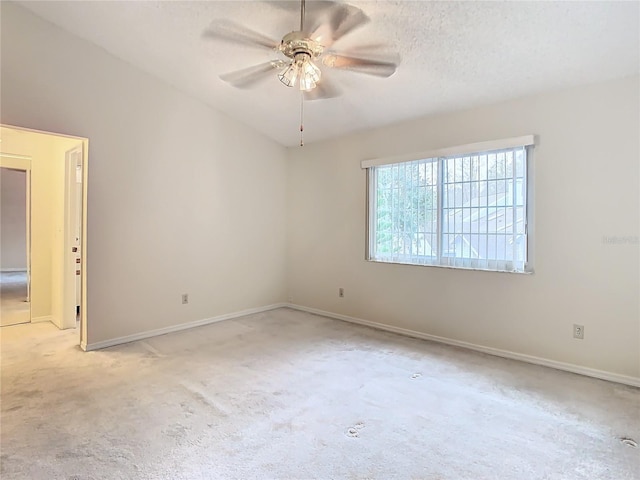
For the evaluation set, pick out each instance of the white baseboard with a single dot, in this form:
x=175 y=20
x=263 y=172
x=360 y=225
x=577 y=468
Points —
x=568 y=367
x=176 y=328
x=46 y=318
x=7 y=270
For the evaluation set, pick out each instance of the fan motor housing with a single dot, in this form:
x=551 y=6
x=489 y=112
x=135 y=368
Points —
x=294 y=43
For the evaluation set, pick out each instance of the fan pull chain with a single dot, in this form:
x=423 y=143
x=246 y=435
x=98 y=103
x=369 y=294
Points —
x=301 y=119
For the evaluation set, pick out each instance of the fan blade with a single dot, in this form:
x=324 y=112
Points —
x=236 y=33
x=379 y=68
x=344 y=19
x=370 y=50
x=326 y=21
x=248 y=77
x=324 y=89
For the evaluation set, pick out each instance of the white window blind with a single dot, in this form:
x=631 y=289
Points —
x=464 y=210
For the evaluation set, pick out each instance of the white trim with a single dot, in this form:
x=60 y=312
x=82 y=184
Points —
x=15 y=162
x=46 y=318
x=478 y=147
x=453 y=267
x=15 y=156
x=19 y=269
x=176 y=328
x=567 y=367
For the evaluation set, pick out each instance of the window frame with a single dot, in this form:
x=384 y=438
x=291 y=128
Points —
x=441 y=156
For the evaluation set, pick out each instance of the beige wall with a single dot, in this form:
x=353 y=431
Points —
x=13 y=219
x=42 y=214
x=182 y=199
x=586 y=188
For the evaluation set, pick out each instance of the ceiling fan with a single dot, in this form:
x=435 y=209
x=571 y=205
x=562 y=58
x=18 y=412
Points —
x=302 y=50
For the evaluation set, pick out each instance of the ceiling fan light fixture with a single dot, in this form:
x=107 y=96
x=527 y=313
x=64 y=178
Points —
x=301 y=70
x=301 y=48
x=307 y=83
x=290 y=74
x=310 y=70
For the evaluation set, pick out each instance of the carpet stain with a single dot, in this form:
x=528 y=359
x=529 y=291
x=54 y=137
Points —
x=206 y=401
x=176 y=430
x=629 y=442
x=353 y=432
x=186 y=408
x=153 y=351
x=29 y=393
x=72 y=454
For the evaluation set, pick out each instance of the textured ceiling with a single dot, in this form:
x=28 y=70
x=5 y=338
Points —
x=454 y=55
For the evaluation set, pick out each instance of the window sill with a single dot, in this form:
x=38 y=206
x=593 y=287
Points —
x=450 y=267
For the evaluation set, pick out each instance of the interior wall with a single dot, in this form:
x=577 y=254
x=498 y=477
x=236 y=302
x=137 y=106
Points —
x=586 y=232
x=181 y=198
x=42 y=216
x=13 y=219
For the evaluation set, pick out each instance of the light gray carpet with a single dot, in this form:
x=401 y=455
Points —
x=291 y=395
x=14 y=308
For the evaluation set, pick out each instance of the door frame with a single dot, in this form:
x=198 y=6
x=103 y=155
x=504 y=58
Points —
x=28 y=237
x=84 y=251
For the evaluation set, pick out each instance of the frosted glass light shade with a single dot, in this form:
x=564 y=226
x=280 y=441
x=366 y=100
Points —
x=303 y=71
x=311 y=71
x=290 y=75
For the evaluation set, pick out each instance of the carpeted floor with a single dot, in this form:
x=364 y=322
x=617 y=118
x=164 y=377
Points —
x=289 y=395
x=14 y=308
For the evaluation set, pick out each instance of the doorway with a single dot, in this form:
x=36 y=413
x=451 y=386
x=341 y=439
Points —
x=55 y=169
x=15 y=307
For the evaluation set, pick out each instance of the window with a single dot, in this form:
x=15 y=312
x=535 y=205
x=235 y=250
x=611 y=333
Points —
x=465 y=210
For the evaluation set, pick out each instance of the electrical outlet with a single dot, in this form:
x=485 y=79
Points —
x=578 y=331
x=341 y=292
x=185 y=298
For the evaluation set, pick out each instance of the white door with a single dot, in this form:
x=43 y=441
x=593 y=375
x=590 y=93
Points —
x=72 y=236
x=28 y=222
x=77 y=242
